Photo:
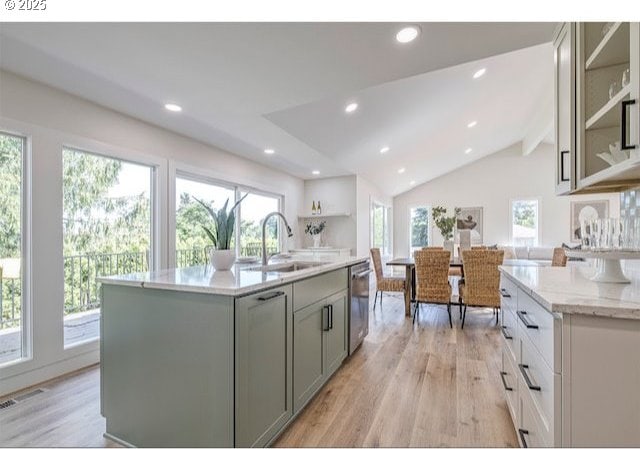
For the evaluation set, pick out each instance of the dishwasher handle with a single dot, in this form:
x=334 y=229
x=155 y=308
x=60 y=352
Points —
x=361 y=274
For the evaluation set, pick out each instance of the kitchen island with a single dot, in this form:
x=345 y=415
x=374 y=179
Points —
x=571 y=357
x=194 y=357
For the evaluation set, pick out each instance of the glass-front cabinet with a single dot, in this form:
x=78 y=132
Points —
x=607 y=156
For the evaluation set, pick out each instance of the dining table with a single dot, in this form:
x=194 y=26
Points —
x=409 y=264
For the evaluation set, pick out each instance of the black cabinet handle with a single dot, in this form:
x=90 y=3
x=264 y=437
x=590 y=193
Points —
x=504 y=382
x=562 y=178
x=326 y=327
x=531 y=386
x=623 y=125
x=523 y=317
x=270 y=296
x=522 y=433
x=504 y=293
x=504 y=333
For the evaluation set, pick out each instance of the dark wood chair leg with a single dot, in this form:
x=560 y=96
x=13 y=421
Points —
x=464 y=315
x=449 y=312
x=415 y=312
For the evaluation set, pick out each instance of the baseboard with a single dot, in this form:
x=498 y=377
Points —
x=115 y=439
x=24 y=380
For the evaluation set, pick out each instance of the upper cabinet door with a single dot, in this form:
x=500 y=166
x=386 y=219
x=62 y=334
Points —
x=608 y=156
x=564 y=110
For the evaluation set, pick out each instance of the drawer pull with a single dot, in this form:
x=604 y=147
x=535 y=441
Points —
x=523 y=317
x=326 y=327
x=504 y=293
x=504 y=382
x=270 y=296
x=522 y=433
x=504 y=333
x=531 y=386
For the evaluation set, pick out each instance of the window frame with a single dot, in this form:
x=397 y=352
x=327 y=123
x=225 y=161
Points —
x=538 y=201
x=26 y=311
x=386 y=226
x=181 y=170
x=429 y=224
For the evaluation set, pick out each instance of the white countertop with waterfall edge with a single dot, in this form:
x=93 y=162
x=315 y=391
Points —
x=570 y=290
x=238 y=281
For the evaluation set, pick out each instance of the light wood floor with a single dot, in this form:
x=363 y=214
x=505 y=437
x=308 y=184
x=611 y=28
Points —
x=422 y=385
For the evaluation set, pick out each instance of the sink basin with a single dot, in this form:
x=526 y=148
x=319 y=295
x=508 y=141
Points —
x=286 y=267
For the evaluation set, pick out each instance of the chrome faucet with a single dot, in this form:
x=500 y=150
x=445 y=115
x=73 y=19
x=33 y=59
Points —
x=265 y=258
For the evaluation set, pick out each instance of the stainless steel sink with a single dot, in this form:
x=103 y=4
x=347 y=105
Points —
x=286 y=267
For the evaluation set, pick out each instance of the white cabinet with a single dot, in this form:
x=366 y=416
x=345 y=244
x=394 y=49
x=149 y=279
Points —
x=597 y=86
x=569 y=380
x=564 y=107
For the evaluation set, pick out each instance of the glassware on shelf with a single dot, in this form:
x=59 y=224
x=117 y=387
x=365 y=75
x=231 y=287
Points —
x=613 y=89
x=626 y=77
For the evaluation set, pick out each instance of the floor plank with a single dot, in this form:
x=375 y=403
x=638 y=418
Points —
x=422 y=385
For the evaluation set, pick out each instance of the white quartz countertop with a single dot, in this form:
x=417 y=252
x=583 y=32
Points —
x=240 y=280
x=570 y=290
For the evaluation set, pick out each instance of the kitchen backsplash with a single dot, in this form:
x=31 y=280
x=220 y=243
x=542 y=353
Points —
x=630 y=203
x=630 y=207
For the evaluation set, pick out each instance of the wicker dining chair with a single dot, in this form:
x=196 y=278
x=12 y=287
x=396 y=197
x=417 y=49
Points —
x=384 y=283
x=481 y=287
x=559 y=258
x=432 y=280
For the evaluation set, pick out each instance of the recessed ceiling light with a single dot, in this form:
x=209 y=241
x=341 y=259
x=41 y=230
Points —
x=172 y=107
x=384 y=150
x=412 y=183
x=401 y=170
x=407 y=34
x=472 y=124
x=269 y=151
x=316 y=172
x=479 y=73
x=351 y=107
x=468 y=150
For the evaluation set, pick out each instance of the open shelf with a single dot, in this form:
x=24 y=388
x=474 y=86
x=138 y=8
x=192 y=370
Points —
x=613 y=48
x=330 y=214
x=614 y=178
x=608 y=115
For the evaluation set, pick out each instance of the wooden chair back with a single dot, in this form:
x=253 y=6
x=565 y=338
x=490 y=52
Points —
x=481 y=277
x=432 y=276
x=377 y=263
x=559 y=258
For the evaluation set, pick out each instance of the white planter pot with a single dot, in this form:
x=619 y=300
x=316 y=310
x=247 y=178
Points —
x=222 y=259
x=448 y=246
x=317 y=238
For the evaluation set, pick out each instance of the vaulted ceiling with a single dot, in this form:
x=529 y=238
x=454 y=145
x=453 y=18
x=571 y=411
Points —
x=245 y=87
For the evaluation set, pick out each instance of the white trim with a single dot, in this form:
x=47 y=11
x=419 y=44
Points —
x=538 y=200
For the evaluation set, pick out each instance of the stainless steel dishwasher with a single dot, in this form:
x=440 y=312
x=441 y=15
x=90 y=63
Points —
x=358 y=304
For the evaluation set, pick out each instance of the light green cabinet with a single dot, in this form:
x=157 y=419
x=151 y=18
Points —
x=336 y=337
x=263 y=352
x=308 y=361
x=320 y=345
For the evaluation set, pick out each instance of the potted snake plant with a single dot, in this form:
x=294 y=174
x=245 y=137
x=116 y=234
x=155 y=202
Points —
x=220 y=233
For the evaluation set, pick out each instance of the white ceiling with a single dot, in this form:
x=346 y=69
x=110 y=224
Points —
x=245 y=87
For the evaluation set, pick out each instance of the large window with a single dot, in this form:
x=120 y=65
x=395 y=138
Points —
x=525 y=230
x=13 y=336
x=192 y=245
x=253 y=209
x=106 y=230
x=418 y=227
x=380 y=228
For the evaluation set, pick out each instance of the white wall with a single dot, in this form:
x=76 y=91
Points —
x=50 y=119
x=366 y=194
x=337 y=194
x=491 y=182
